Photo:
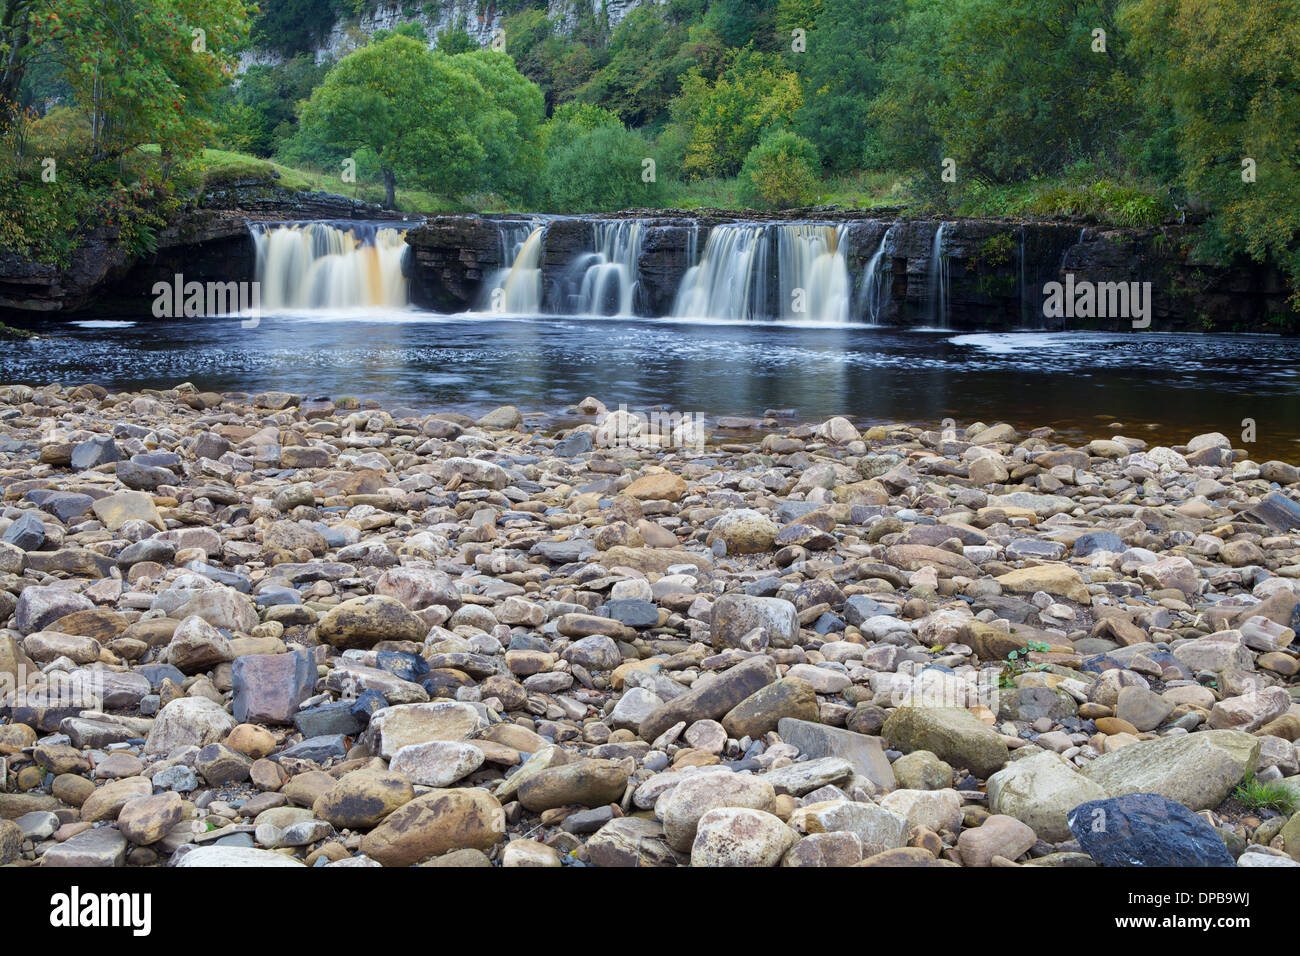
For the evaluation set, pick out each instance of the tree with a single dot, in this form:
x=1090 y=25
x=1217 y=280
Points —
x=411 y=106
x=455 y=40
x=509 y=129
x=1010 y=89
x=646 y=61
x=598 y=170
x=145 y=71
x=780 y=172
x=724 y=119
x=840 y=76
x=1224 y=85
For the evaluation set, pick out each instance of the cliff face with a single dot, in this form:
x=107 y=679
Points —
x=481 y=19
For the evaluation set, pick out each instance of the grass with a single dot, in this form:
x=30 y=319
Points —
x=1079 y=194
x=1258 y=795
x=1099 y=198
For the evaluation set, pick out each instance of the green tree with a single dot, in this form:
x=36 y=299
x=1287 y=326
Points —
x=1223 y=84
x=144 y=71
x=1010 y=89
x=510 y=128
x=647 y=56
x=410 y=106
x=840 y=76
x=455 y=40
x=780 y=172
x=599 y=170
x=724 y=119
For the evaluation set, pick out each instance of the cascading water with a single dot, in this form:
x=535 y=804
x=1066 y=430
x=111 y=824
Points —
x=937 y=282
x=733 y=280
x=517 y=288
x=330 y=265
x=813 y=274
x=609 y=278
x=874 y=294
x=730 y=281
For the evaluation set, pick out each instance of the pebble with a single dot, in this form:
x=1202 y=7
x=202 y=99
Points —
x=458 y=640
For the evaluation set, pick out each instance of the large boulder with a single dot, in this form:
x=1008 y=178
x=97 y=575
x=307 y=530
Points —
x=1040 y=791
x=953 y=734
x=1197 y=770
x=365 y=621
x=1146 y=829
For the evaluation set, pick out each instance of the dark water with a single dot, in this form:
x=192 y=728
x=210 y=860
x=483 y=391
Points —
x=1159 y=387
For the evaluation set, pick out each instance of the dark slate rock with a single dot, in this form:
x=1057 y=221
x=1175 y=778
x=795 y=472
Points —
x=150 y=549
x=528 y=642
x=240 y=582
x=787 y=511
x=564 y=552
x=319 y=749
x=271 y=597
x=859 y=607
x=64 y=505
x=96 y=451
x=1146 y=829
x=157 y=673
x=633 y=612
x=576 y=444
x=143 y=477
x=328 y=720
x=1086 y=544
x=406 y=666
x=157 y=459
x=27 y=533
x=365 y=705
x=828 y=624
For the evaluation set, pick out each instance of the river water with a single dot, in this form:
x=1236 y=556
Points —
x=1163 y=388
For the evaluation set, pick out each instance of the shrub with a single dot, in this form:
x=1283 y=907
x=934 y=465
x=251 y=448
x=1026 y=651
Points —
x=780 y=172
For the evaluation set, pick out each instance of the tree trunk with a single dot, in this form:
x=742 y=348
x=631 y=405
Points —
x=390 y=188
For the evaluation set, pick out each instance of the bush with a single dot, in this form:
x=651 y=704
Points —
x=780 y=172
x=599 y=170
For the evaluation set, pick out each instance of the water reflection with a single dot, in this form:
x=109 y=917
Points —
x=1079 y=383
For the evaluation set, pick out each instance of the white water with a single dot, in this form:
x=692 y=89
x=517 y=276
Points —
x=611 y=271
x=875 y=292
x=322 y=265
x=733 y=280
x=937 y=281
x=813 y=274
x=728 y=283
x=517 y=289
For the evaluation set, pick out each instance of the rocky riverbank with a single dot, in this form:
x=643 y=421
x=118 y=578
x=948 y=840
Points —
x=272 y=630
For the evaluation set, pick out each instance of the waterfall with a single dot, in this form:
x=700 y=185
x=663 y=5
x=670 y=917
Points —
x=937 y=282
x=609 y=278
x=875 y=292
x=813 y=274
x=329 y=265
x=731 y=278
x=517 y=288
x=734 y=281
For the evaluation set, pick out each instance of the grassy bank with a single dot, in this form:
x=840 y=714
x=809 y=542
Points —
x=1096 y=198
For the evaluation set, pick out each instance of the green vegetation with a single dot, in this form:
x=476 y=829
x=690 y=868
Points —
x=1124 y=112
x=1258 y=795
x=1017 y=663
x=780 y=172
